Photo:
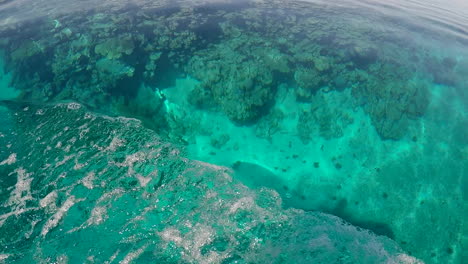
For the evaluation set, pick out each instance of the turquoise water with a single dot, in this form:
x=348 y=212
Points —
x=233 y=132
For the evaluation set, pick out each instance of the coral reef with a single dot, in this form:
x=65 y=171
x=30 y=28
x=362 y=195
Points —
x=269 y=124
x=309 y=81
x=241 y=87
x=122 y=60
x=112 y=189
x=115 y=48
x=391 y=96
x=329 y=113
x=238 y=57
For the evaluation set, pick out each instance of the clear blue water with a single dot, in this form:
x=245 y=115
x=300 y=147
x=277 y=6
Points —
x=233 y=131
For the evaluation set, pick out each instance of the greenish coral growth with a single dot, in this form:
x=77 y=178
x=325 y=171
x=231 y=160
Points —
x=246 y=60
x=240 y=57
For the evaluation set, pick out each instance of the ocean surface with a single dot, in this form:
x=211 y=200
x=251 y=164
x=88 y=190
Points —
x=234 y=131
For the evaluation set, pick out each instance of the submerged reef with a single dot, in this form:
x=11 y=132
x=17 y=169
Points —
x=239 y=53
x=351 y=97
x=242 y=88
x=390 y=103
x=96 y=189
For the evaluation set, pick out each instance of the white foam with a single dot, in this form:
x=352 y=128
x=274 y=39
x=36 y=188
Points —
x=143 y=180
x=17 y=212
x=405 y=259
x=55 y=219
x=242 y=203
x=67 y=148
x=115 y=194
x=89 y=116
x=48 y=200
x=133 y=255
x=83 y=130
x=98 y=216
x=79 y=166
x=22 y=190
x=171 y=235
x=199 y=236
x=28 y=234
x=73 y=106
x=112 y=258
x=203 y=236
x=10 y=160
x=130 y=159
x=65 y=159
x=115 y=143
x=88 y=180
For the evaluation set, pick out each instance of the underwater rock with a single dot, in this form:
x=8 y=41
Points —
x=26 y=50
x=201 y=98
x=111 y=189
x=326 y=115
x=110 y=70
x=147 y=105
x=115 y=48
x=305 y=127
x=390 y=101
x=363 y=55
x=270 y=124
x=243 y=89
x=220 y=141
x=309 y=81
x=151 y=65
x=321 y=63
x=276 y=61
